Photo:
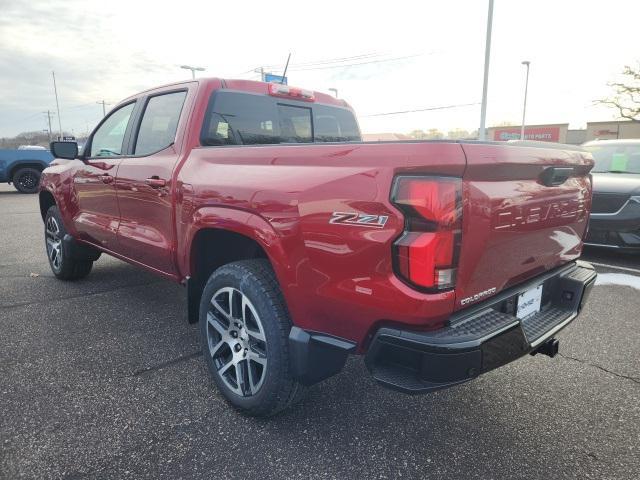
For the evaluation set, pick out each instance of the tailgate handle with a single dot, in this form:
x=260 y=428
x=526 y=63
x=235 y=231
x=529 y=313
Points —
x=552 y=176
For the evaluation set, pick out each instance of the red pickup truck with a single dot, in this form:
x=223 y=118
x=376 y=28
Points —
x=300 y=244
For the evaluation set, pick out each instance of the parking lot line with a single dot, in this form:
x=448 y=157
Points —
x=615 y=267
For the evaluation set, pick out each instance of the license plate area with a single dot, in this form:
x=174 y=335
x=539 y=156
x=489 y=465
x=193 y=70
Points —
x=528 y=303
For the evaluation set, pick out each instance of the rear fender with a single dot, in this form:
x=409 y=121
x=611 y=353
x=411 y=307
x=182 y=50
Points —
x=243 y=223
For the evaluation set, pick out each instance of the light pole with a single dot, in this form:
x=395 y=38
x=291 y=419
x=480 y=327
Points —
x=335 y=91
x=193 y=70
x=524 y=107
x=485 y=85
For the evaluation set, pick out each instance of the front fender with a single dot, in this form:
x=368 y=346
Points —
x=57 y=179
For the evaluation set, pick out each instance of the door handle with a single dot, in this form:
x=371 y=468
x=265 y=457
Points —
x=106 y=178
x=156 y=182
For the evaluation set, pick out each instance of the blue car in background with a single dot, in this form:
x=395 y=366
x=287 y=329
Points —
x=23 y=166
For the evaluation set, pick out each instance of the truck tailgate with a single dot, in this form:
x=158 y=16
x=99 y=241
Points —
x=525 y=211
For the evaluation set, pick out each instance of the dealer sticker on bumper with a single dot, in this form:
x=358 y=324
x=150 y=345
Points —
x=529 y=302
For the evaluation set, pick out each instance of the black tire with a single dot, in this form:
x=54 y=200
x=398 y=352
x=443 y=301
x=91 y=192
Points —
x=255 y=281
x=26 y=180
x=62 y=263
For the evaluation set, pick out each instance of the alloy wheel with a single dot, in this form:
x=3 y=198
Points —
x=28 y=181
x=54 y=243
x=236 y=340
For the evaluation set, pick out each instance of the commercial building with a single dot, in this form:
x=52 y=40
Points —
x=560 y=132
x=542 y=133
x=612 y=130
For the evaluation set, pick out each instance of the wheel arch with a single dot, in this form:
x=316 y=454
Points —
x=222 y=235
x=46 y=200
x=27 y=164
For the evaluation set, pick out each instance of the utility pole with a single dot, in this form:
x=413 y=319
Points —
x=104 y=107
x=485 y=86
x=335 y=91
x=524 y=107
x=48 y=114
x=55 y=90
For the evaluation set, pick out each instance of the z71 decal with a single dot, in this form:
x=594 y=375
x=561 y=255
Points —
x=359 y=219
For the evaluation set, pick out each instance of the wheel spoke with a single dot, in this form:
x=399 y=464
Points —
x=219 y=308
x=258 y=358
x=213 y=349
x=222 y=370
x=249 y=316
x=215 y=323
x=236 y=302
x=52 y=252
x=257 y=335
x=253 y=385
x=241 y=377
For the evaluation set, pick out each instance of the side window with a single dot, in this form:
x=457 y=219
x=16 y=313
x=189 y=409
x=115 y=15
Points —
x=240 y=119
x=159 y=123
x=107 y=141
x=295 y=124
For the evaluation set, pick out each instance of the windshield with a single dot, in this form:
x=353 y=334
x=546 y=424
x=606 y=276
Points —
x=618 y=158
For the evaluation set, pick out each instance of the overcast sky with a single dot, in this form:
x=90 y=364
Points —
x=398 y=55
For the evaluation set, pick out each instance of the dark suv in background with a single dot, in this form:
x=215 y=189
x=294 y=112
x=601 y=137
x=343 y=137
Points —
x=615 y=212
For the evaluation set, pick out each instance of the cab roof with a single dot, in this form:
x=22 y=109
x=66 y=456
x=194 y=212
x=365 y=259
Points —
x=251 y=86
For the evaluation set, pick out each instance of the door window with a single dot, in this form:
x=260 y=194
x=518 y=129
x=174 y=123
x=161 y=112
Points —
x=159 y=123
x=107 y=141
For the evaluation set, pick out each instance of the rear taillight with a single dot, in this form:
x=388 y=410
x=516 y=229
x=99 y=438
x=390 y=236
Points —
x=426 y=255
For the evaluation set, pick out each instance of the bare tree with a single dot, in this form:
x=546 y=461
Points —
x=418 y=134
x=37 y=137
x=626 y=98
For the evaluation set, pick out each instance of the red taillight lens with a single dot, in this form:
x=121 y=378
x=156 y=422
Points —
x=279 y=90
x=430 y=199
x=426 y=254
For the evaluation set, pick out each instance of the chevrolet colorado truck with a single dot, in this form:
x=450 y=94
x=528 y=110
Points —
x=299 y=244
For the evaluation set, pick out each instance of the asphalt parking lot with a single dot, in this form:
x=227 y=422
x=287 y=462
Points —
x=103 y=378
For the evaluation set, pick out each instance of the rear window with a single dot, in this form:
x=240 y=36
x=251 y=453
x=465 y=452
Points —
x=622 y=158
x=235 y=118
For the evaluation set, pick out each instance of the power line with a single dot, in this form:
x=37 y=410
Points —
x=356 y=64
x=316 y=63
x=90 y=104
x=443 y=107
x=331 y=60
x=20 y=120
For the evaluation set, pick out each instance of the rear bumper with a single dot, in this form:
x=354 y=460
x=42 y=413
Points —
x=479 y=339
x=620 y=229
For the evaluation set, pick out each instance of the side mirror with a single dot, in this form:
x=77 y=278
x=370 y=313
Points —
x=68 y=150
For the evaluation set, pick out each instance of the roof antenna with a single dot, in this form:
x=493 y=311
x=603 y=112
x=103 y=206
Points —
x=284 y=75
